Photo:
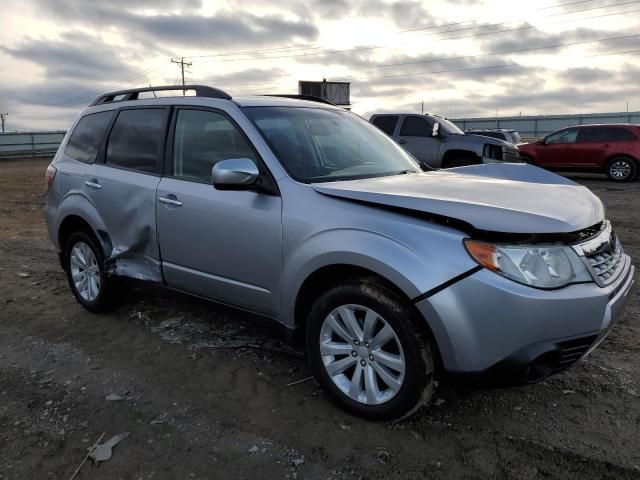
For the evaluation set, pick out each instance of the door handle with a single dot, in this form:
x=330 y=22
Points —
x=607 y=145
x=402 y=141
x=93 y=183
x=170 y=200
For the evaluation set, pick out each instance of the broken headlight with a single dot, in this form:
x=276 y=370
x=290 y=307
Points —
x=549 y=266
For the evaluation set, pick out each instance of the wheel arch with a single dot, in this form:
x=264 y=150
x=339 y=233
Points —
x=76 y=213
x=458 y=153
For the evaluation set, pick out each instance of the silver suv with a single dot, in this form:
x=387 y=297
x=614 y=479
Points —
x=306 y=213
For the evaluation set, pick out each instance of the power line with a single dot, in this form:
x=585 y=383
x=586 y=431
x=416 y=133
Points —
x=455 y=70
x=357 y=49
x=90 y=94
x=442 y=59
x=315 y=47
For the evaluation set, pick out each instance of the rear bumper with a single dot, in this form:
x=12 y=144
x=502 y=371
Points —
x=491 y=329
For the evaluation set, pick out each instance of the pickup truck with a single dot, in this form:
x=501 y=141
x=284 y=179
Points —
x=438 y=143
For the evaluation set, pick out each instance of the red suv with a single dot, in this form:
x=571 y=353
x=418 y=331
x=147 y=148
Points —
x=612 y=149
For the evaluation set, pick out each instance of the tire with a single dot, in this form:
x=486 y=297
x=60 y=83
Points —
x=99 y=294
x=622 y=169
x=370 y=360
x=460 y=162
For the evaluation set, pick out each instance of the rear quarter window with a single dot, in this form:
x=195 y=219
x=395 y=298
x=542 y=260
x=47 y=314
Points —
x=85 y=140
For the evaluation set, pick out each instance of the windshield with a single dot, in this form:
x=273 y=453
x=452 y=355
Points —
x=323 y=145
x=448 y=127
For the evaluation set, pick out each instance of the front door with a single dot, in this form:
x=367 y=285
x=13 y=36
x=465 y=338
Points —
x=223 y=245
x=416 y=137
x=558 y=149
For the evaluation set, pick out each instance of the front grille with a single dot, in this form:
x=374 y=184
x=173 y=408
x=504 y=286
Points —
x=572 y=350
x=603 y=255
x=606 y=264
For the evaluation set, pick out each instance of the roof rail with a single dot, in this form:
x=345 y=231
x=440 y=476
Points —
x=133 y=93
x=309 y=98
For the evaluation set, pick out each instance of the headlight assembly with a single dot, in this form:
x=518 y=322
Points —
x=549 y=266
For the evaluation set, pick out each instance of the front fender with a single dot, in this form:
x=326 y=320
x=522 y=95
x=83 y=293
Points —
x=407 y=269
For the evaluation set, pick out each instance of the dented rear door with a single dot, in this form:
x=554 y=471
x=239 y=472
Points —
x=123 y=189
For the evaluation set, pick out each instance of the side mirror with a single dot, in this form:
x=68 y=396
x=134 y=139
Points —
x=436 y=129
x=234 y=174
x=541 y=141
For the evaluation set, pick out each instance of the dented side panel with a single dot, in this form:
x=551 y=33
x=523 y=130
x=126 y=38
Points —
x=126 y=201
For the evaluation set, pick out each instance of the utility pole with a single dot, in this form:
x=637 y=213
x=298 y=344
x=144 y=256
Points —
x=422 y=108
x=2 y=117
x=182 y=64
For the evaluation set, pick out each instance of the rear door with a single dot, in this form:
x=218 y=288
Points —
x=123 y=188
x=223 y=245
x=416 y=137
x=593 y=146
x=557 y=151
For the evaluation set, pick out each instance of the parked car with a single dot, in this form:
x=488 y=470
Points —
x=506 y=134
x=610 y=149
x=305 y=213
x=438 y=143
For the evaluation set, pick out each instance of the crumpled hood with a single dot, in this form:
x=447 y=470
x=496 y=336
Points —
x=513 y=198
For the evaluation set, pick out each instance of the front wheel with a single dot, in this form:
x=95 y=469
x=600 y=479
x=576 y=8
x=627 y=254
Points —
x=366 y=349
x=622 y=169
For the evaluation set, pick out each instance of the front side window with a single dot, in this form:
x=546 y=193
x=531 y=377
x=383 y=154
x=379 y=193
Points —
x=202 y=139
x=563 y=136
x=386 y=123
x=416 y=127
x=321 y=145
x=85 y=140
x=136 y=140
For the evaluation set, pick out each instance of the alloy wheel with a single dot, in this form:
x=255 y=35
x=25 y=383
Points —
x=362 y=354
x=85 y=271
x=620 y=169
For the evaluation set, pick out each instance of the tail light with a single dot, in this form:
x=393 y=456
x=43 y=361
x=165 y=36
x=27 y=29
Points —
x=51 y=174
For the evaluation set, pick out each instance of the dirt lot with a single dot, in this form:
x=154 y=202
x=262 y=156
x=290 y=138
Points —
x=206 y=390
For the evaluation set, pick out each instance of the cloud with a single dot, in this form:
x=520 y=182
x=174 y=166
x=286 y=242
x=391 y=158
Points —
x=74 y=55
x=183 y=27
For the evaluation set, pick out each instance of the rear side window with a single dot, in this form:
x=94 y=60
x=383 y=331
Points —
x=85 y=140
x=621 y=135
x=202 y=139
x=415 y=127
x=136 y=140
x=593 y=134
x=386 y=123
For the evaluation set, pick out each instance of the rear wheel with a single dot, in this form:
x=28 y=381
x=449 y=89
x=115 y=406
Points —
x=366 y=349
x=84 y=265
x=622 y=169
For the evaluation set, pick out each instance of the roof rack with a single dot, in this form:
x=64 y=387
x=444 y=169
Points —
x=309 y=98
x=132 y=94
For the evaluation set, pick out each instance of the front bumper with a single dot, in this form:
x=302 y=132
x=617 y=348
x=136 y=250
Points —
x=488 y=326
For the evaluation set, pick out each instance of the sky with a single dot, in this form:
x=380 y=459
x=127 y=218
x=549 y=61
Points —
x=462 y=58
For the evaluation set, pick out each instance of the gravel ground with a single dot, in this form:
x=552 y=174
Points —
x=208 y=392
